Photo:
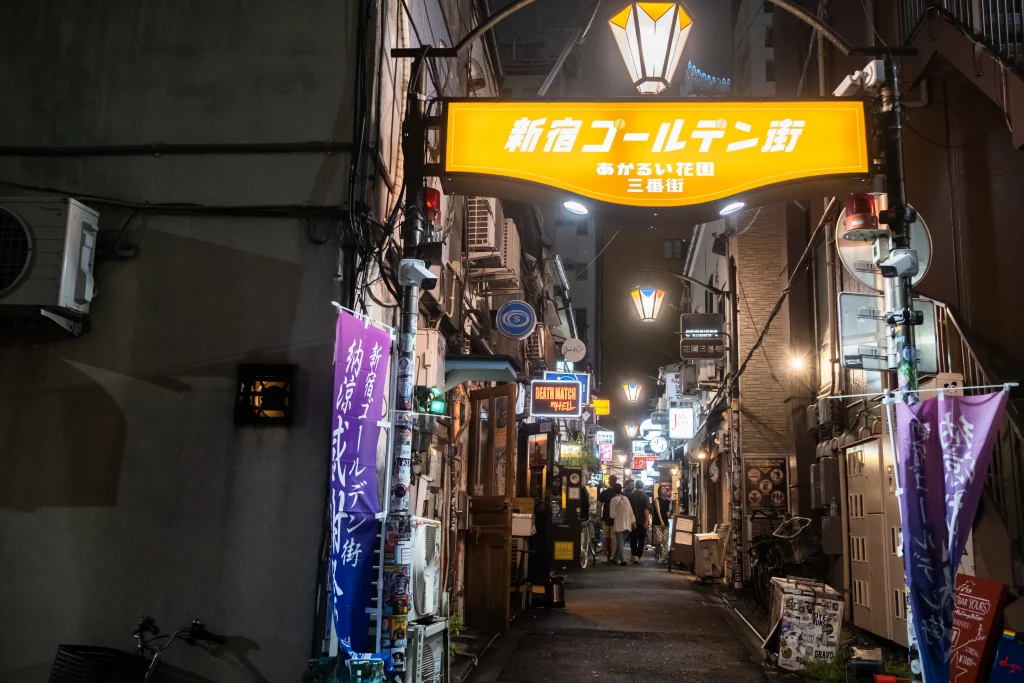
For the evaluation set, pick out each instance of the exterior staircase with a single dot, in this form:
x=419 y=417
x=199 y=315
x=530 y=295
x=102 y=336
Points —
x=982 y=39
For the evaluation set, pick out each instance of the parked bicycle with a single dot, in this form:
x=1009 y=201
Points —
x=588 y=542
x=790 y=550
x=82 y=663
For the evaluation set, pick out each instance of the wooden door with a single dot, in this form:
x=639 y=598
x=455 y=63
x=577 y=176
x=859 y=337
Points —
x=492 y=458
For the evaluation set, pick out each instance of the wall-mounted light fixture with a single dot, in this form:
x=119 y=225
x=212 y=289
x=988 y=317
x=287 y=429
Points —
x=264 y=395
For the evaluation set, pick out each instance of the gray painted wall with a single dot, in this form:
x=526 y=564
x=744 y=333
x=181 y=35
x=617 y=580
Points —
x=124 y=485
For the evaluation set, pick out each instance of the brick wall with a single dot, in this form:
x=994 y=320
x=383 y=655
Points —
x=762 y=272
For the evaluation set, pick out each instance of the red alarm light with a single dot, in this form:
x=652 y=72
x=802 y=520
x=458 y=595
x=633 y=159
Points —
x=433 y=202
x=861 y=219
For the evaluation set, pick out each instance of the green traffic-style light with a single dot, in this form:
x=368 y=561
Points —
x=437 y=407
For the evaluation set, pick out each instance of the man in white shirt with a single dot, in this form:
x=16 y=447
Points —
x=623 y=522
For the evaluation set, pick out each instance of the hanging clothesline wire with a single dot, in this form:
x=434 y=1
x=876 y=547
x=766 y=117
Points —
x=1004 y=385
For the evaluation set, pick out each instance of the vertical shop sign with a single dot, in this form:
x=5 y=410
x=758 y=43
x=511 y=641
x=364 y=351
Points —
x=362 y=354
x=766 y=482
x=945 y=445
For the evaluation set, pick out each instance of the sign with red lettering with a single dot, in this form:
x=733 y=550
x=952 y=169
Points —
x=640 y=462
x=555 y=398
x=977 y=622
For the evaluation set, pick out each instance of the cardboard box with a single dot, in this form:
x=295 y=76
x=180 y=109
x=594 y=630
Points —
x=706 y=564
x=806 y=619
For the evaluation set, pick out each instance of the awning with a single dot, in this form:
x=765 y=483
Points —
x=459 y=369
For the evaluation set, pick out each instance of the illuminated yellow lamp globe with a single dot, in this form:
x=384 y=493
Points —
x=648 y=303
x=632 y=391
x=632 y=431
x=651 y=36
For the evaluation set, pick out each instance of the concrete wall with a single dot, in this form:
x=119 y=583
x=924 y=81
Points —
x=125 y=487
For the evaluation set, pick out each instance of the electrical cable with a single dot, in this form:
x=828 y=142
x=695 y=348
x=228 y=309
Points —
x=940 y=144
x=825 y=218
x=584 y=269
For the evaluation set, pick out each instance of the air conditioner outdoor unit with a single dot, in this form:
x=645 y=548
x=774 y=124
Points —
x=511 y=250
x=47 y=251
x=426 y=568
x=425 y=653
x=431 y=348
x=481 y=218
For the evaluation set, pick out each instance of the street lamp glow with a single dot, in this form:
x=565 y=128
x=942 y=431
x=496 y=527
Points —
x=797 y=363
x=622 y=457
x=651 y=36
x=648 y=303
x=632 y=431
x=675 y=471
x=731 y=208
x=632 y=391
x=576 y=207
x=702 y=455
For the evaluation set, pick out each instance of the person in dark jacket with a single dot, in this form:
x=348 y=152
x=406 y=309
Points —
x=642 y=512
x=605 y=498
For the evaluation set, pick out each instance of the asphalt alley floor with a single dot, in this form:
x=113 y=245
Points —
x=637 y=623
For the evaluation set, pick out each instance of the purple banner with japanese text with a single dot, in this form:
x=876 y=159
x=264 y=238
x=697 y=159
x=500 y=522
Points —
x=362 y=354
x=945 y=445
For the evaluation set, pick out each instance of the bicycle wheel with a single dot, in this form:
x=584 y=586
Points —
x=584 y=549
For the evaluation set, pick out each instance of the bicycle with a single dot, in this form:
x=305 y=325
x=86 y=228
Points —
x=784 y=552
x=81 y=663
x=588 y=545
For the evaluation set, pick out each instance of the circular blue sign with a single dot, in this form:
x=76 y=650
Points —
x=517 y=320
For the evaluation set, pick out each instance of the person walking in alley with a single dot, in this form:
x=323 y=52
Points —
x=661 y=514
x=641 y=505
x=605 y=499
x=624 y=522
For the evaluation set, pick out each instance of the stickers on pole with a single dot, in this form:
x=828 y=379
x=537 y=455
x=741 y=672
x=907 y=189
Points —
x=517 y=320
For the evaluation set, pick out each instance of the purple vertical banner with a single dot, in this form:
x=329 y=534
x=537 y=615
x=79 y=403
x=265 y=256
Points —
x=362 y=353
x=945 y=446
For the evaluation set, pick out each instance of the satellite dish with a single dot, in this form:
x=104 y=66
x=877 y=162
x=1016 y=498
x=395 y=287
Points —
x=856 y=256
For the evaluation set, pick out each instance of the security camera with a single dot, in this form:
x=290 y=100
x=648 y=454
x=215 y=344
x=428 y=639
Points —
x=870 y=78
x=901 y=263
x=414 y=273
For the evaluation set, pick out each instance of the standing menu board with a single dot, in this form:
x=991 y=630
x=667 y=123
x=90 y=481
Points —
x=977 y=622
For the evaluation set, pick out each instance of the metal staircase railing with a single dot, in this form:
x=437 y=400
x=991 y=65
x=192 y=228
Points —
x=1005 y=482
x=999 y=24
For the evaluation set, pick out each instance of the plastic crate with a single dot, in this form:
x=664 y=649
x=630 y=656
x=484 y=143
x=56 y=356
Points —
x=90 y=664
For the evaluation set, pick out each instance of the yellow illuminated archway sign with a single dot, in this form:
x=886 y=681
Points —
x=656 y=153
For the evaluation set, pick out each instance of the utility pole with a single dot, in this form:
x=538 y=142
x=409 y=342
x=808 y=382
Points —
x=735 y=459
x=410 y=277
x=899 y=265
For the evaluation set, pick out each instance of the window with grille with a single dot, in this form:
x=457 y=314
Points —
x=856 y=505
x=858 y=548
x=899 y=605
x=860 y=593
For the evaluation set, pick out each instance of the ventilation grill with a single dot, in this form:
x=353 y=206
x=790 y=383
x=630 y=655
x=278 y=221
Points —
x=15 y=250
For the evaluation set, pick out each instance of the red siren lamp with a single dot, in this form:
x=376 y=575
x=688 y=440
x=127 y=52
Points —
x=432 y=198
x=861 y=223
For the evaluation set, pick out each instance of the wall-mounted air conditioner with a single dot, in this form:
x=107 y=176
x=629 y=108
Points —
x=511 y=251
x=431 y=348
x=425 y=653
x=47 y=251
x=426 y=568
x=481 y=219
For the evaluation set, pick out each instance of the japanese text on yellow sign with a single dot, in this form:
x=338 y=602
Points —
x=653 y=153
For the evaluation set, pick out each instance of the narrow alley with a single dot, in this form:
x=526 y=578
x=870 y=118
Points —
x=639 y=623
